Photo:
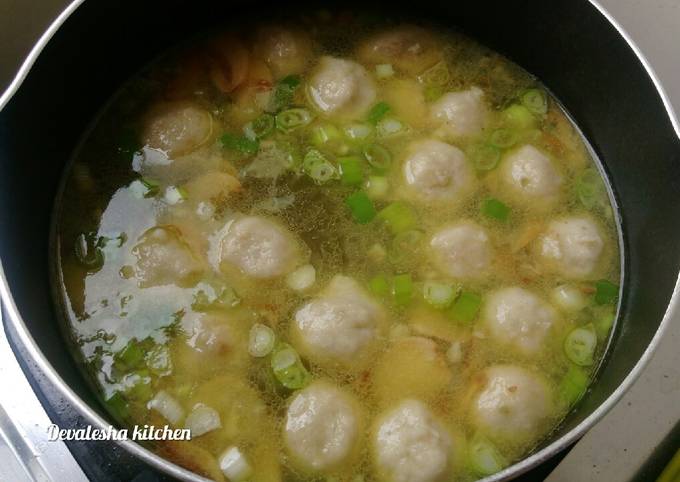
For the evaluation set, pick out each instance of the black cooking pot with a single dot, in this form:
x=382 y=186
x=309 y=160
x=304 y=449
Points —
x=571 y=45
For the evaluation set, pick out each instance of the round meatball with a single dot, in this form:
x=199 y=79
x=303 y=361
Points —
x=435 y=171
x=322 y=427
x=462 y=114
x=340 y=325
x=178 y=128
x=462 y=250
x=285 y=51
x=512 y=404
x=411 y=445
x=531 y=177
x=259 y=248
x=163 y=257
x=410 y=49
x=572 y=247
x=342 y=88
x=518 y=318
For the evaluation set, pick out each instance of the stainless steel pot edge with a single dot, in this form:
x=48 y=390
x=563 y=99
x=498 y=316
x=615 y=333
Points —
x=183 y=474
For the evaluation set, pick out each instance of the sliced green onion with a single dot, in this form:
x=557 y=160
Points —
x=405 y=246
x=260 y=127
x=284 y=93
x=402 y=289
x=325 y=134
x=377 y=112
x=118 y=406
x=572 y=387
x=433 y=92
x=359 y=132
x=590 y=189
x=390 y=127
x=485 y=157
x=580 y=344
x=302 y=278
x=88 y=253
x=132 y=355
x=351 y=170
x=384 y=71
x=606 y=292
x=438 y=75
x=288 y=368
x=174 y=194
x=202 y=419
x=316 y=166
x=536 y=101
x=240 y=144
x=261 y=340
x=399 y=217
x=234 y=465
x=519 y=117
x=378 y=157
x=485 y=458
x=377 y=187
x=569 y=297
x=439 y=295
x=466 y=307
x=604 y=320
x=291 y=119
x=379 y=285
x=167 y=406
x=503 y=138
x=361 y=207
x=495 y=209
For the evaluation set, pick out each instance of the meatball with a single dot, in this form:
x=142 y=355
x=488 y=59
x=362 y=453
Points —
x=530 y=176
x=322 y=427
x=285 y=51
x=435 y=171
x=462 y=250
x=411 y=445
x=259 y=248
x=518 y=318
x=572 y=247
x=410 y=49
x=462 y=114
x=512 y=404
x=342 y=88
x=164 y=257
x=178 y=128
x=340 y=325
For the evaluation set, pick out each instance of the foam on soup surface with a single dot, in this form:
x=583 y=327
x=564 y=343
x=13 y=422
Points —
x=336 y=250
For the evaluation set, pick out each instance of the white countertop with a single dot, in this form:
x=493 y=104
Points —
x=615 y=448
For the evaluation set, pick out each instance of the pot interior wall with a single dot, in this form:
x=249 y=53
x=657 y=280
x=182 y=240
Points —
x=566 y=43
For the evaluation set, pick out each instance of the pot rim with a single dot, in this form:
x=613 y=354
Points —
x=175 y=470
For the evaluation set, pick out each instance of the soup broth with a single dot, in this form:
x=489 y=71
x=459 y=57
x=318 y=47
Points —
x=336 y=249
